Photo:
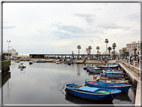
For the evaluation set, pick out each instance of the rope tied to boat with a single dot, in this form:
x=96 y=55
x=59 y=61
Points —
x=63 y=87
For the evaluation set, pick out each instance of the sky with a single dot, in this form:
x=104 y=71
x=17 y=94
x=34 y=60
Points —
x=58 y=28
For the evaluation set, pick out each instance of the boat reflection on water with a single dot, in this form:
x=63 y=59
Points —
x=77 y=100
x=22 y=70
x=6 y=77
x=124 y=98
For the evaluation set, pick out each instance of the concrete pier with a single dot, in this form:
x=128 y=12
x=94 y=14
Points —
x=134 y=74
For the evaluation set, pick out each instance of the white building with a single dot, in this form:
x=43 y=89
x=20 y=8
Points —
x=11 y=53
x=130 y=47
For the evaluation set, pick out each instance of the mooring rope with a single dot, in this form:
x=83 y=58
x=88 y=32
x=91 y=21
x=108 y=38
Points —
x=63 y=87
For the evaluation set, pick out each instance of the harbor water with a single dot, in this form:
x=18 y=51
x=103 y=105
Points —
x=43 y=83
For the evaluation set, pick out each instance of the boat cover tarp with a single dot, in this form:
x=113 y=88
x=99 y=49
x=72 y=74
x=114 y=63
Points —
x=85 y=88
x=114 y=72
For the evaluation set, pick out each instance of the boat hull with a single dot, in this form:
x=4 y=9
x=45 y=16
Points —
x=30 y=62
x=91 y=96
x=87 y=94
x=40 y=61
x=122 y=87
x=94 y=71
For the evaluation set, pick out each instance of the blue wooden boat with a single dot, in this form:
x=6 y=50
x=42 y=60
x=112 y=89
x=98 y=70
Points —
x=90 y=68
x=92 y=93
x=94 y=71
x=40 y=61
x=69 y=63
x=112 y=74
x=122 y=87
x=30 y=62
x=113 y=66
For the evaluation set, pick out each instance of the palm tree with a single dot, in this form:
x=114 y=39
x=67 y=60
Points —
x=97 y=48
x=106 y=41
x=109 y=49
x=114 y=45
x=89 y=47
x=78 y=47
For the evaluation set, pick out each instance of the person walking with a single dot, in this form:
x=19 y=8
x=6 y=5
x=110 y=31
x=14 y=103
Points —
x=138 y=60
x=130 y=59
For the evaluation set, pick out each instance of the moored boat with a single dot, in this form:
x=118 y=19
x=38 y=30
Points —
x=108 y=66
x=48 y=60
x=41 y=61
x=92 y=93
x=17 y=61
x=22 y=65
x=112 y=74
x=57 y=62
x=30 y=62
x=69 y=63
x=94 y=71
x=122 y=87
x=123 y=81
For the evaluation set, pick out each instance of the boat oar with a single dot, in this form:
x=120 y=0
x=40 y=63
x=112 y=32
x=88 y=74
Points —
x=63 y=87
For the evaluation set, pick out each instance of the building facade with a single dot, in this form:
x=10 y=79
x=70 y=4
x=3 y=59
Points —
x=131 y=46
x=10 y=54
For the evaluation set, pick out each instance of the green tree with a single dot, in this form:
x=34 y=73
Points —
x=106 y=41
x=78 y=47
x=109 y=49
x=114 y=46
x=89 y=47
x=97 y=48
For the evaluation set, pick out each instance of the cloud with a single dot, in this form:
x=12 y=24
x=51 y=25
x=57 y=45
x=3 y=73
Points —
x=8 y=27
x=68 y=32
x=134 y=17
x=91 y=41
x=40 y=31
x=71 y=29
x=88 y=17
x=113 y=26
x=60 y=35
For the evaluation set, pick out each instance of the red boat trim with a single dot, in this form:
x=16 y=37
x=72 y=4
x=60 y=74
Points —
x=93 y=83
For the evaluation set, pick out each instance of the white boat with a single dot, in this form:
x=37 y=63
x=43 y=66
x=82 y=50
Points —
x=22 y=65
x=30 y=62
x=57 y=62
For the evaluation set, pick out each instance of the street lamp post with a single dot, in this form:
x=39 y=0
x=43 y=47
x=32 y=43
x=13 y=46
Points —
x=72 y=54
x=135 y=49
x=8 y=48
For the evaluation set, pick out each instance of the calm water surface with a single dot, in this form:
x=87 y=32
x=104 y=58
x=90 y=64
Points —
x=40 y=83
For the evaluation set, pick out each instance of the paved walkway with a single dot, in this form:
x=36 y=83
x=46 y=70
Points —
x=134 y=77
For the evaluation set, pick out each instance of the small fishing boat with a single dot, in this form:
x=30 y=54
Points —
x=86 y=67
x=122 y=87
x=112 y=74
x=30 y=62
x=41 y=61
x=94 y=71
x=108 y=66
x=57 y=62
x=17 y=61
x=123 y=81
x=48 y=60
x=69 y=63
x=89 y=68
x=22 y=65
x=92 y=93
x=94 y=68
